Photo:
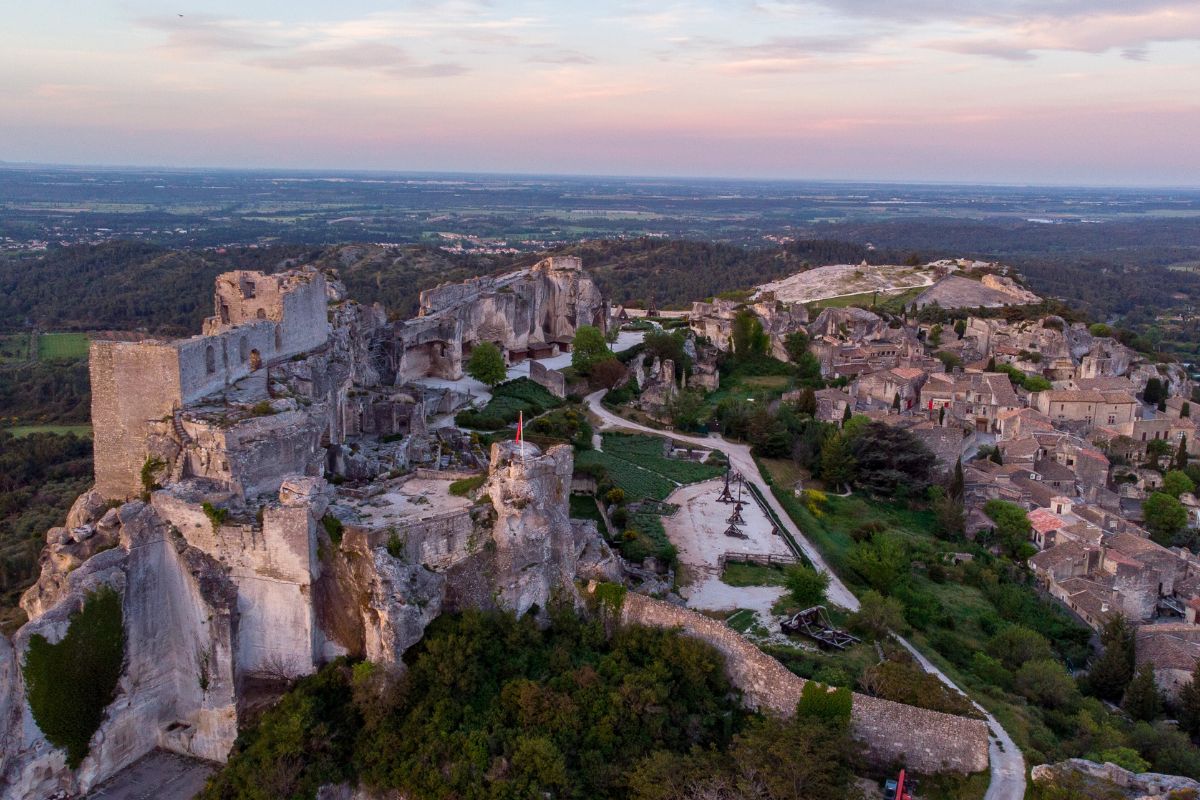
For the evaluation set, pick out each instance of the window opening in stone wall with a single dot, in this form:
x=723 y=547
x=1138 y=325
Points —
x=210 y=360
x=243 y=350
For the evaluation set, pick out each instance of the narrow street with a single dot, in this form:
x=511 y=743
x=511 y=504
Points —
x=1006 y=764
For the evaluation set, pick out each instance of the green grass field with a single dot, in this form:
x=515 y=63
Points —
x=62 y=345
x=25 y=430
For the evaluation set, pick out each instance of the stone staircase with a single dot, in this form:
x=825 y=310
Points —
x=184 y=439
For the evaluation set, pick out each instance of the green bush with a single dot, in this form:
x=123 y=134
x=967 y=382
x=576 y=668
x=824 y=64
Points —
x=216 y=516
x=334 y=527
x=493 y=707
x=464 y=486
x=818 y=701
x=69 y=684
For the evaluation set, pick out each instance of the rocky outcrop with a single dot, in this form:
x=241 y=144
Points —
x=1104 y=778
x=177 y=689
x=67 y=549
x=403 y=599
x=534 y=554
x=525 y=312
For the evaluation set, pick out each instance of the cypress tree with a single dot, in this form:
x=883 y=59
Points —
x=959 y=482
x=991 y=365
x=1142 y=700
x=846 y=416
x=1113 y=670
x=896 y=401
x=1188 y=711
x=1185 y=410
x=1181 y=455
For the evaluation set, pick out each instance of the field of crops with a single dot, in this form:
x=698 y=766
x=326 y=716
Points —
x=647 y=452
x=637 y=483
x=62 y=345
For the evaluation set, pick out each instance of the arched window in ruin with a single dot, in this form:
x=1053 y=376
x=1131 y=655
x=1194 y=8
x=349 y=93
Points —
x=243 y=350
x=255 y=360
x=278 y=338
x=261 y=313
x=210 y=360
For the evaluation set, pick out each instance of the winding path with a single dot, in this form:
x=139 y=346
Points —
x=1006 y=765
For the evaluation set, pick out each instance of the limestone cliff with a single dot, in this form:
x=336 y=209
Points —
x=240 y=559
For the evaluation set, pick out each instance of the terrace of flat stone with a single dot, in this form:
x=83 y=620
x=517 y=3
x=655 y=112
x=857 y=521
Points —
x=400 y=501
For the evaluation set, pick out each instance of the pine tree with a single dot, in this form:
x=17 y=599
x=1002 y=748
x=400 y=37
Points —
x=1142 y=699
x=1113 y=670
x=1188 y=710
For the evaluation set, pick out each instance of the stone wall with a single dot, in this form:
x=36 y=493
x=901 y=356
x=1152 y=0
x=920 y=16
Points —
x=550 y=379
x=926 y=741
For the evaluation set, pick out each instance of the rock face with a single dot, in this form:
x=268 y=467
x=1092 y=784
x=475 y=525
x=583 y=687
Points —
x=177 y=690
x=1109 y=776
x=535 y=550
x=530 y=312
x=714 y=321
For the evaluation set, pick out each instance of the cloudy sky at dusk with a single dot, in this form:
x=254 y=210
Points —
x=1047 y=91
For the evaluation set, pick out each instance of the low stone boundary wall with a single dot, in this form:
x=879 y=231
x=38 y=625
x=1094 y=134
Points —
x=553 y=380
x=923 y=740
x=446 y=474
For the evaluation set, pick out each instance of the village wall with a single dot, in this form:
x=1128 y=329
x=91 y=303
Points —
x=926 y=741
x=550 y=379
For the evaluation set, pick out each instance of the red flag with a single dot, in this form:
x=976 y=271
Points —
x=520 y=424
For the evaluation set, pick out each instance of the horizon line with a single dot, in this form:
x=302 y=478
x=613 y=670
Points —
x=16 y=165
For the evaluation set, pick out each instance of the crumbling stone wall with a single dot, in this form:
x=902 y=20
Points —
x=294 y=302
x=926 y=741
x=550 y=379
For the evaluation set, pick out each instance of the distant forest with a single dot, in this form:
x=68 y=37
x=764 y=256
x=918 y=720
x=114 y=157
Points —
x=1109 y=271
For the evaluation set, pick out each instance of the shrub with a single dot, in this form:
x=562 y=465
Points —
x=464 y=486
x=818 y=701
x=334 y=527
x=216 y=516
x=807 y=586
x=151 y=466
x=69 y=684
x=262 y=409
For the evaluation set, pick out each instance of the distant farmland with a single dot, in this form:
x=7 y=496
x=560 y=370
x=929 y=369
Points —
x=62 y=345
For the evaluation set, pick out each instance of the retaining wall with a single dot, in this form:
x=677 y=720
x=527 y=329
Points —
x=923 y=740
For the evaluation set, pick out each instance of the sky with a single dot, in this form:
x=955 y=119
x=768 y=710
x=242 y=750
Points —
x=1012 y=91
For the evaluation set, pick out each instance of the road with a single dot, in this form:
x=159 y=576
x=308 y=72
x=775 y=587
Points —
x=1006 y=764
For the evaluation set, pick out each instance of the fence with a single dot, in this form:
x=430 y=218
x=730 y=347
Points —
x=764 y=559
